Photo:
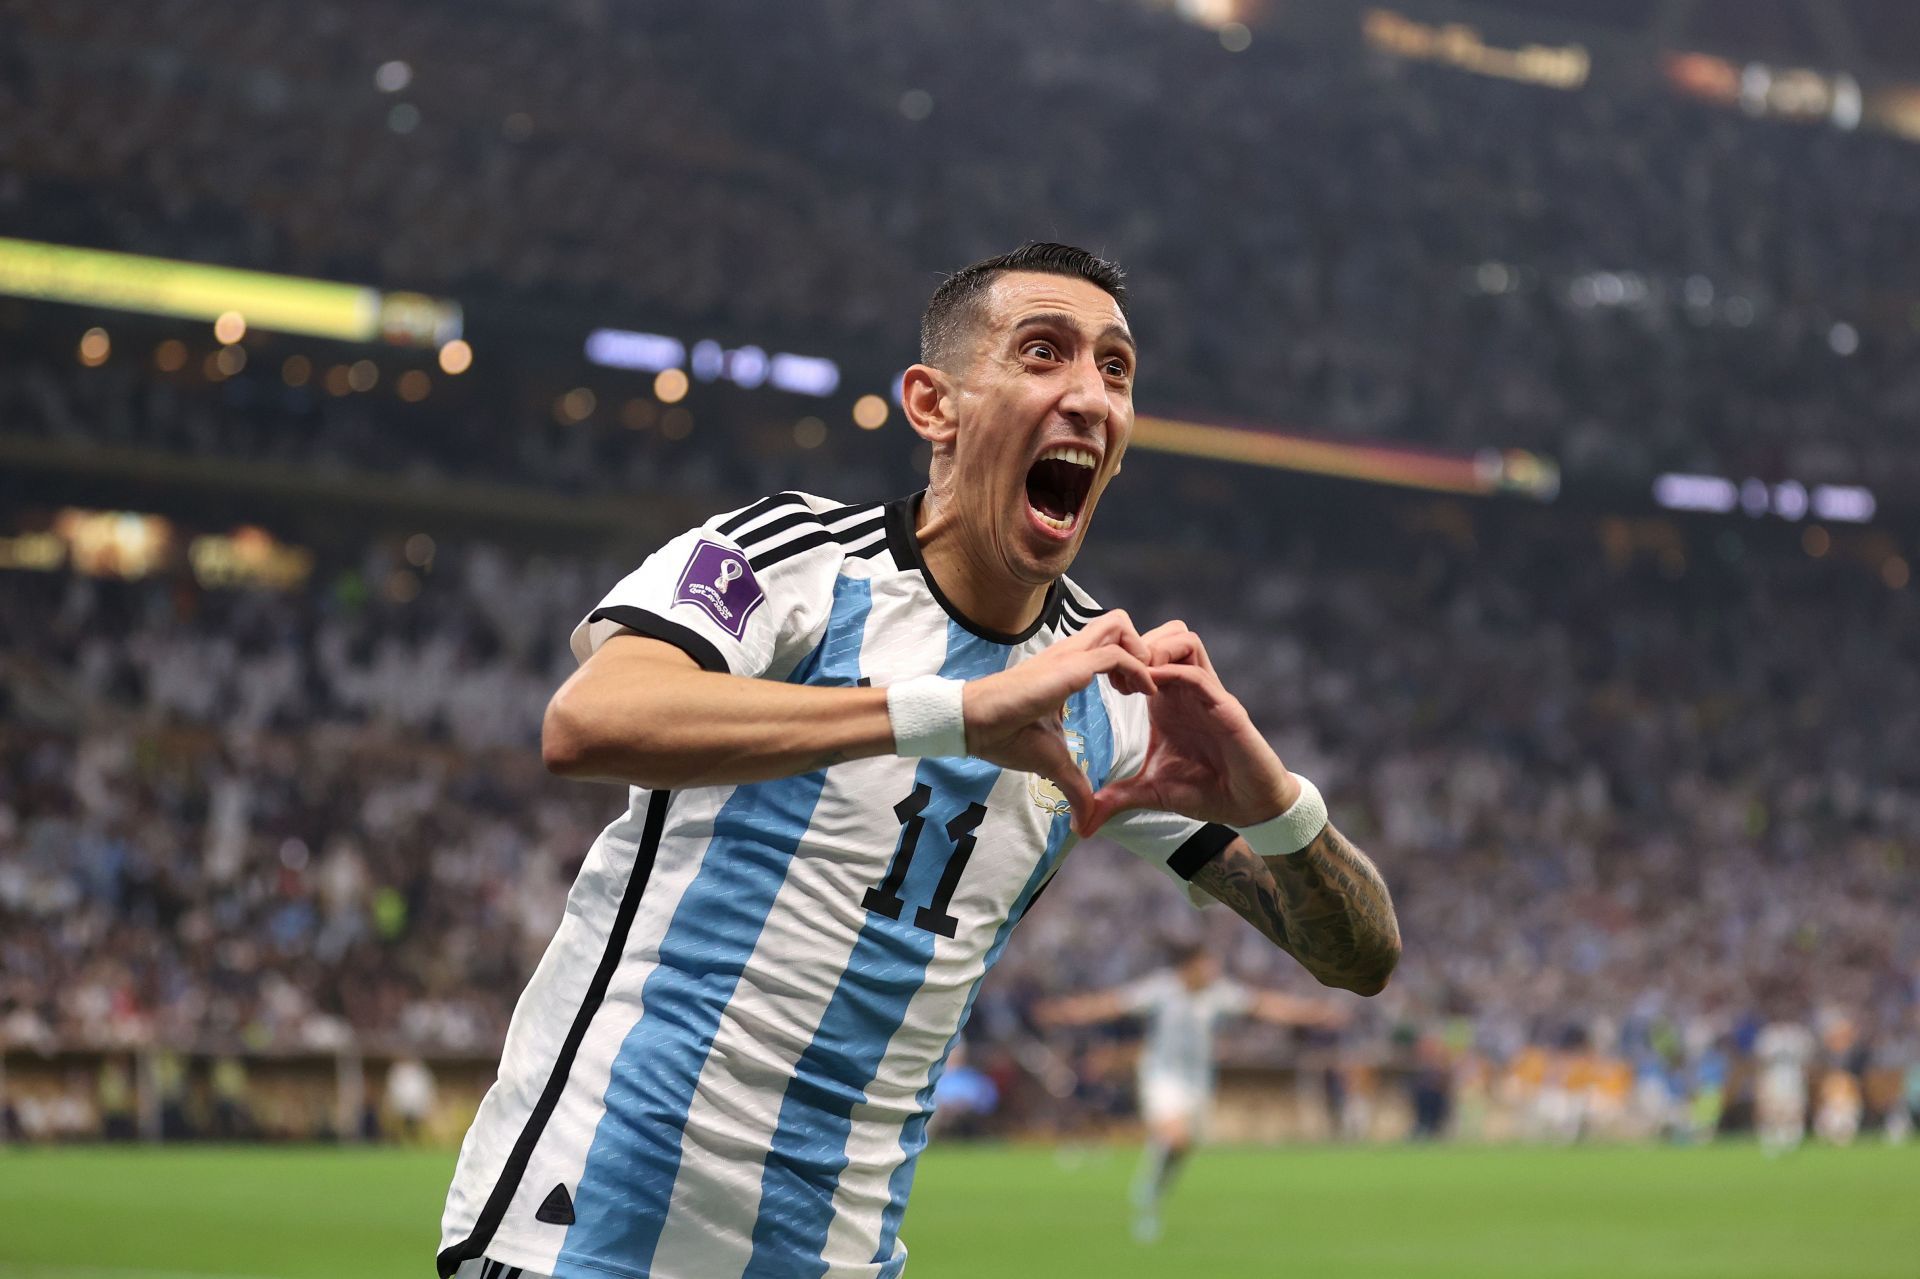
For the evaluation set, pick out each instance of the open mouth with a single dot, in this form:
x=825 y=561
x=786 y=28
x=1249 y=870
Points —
x=1058 y=484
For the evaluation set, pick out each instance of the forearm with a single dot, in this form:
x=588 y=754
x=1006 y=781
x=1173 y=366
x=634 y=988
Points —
x=672 y=728
x=1325 y=905
x=1081 y=1010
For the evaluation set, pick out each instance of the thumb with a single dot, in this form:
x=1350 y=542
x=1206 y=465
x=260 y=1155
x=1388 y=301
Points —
x=1057 y=766
x=1118 y=797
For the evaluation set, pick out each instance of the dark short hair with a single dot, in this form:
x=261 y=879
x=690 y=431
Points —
x=954 y=312
x=1184 y=950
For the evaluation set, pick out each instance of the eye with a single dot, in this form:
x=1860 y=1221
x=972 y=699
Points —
x=1041 y=350
x=1118 y=368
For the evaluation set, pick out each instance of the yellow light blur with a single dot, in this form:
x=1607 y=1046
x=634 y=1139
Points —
x=230 y=327
x=670 y=386
x=170 y=356
x=415 y=386
x=364 y=375
x=869 y=412
x=196 y=291
x=295 y=370
x=456 y=357
x=809 y=432
x=676 y=424
x=95 y=346
x=231 y=359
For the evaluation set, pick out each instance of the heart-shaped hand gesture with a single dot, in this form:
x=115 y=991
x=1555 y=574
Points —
x=1205 y=759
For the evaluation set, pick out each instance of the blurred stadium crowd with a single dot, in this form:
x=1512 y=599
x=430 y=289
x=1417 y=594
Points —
x=1317 y=236
x=1623 y=811
x=1638 y=796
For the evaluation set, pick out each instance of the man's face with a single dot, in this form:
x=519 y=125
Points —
x=1043 y=415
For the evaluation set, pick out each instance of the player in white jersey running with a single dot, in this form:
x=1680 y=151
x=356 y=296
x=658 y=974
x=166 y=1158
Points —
x=858 y=741
x=1182 y=1004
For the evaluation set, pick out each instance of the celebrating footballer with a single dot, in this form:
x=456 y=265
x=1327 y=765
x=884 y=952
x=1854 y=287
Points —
x=859 y=741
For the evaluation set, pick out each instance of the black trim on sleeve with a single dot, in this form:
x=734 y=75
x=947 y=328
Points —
x=654 y=626
x=754 y=512
x=768 y=557
x=1201 y=847
x=773 y=528
x=475 y=1244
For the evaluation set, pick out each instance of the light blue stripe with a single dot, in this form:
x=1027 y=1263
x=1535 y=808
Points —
x=1087 y=715
x=621 y=1202
x=884 y=972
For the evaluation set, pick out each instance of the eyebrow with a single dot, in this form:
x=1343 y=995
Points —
x=1061 y=320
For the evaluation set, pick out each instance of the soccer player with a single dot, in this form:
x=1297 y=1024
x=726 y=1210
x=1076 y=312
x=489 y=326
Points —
x=859 y=740
x=1182 y=1004
x=1783 y=1051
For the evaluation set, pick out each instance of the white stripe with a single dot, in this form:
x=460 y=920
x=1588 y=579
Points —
x=548 y=1007
x=987 y=893
x=792 y=505
x=857 y=516
x=790 y=978
x=760 y=550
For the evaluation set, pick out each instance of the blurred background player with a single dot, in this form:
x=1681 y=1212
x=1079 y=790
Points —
x=1783 y=1051
x=1181 y=1004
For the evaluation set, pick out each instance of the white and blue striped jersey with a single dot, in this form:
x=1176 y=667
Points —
x=724 y=1064
x=1180 y=1025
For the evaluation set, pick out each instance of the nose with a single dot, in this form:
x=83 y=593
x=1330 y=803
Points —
x=1084 y=399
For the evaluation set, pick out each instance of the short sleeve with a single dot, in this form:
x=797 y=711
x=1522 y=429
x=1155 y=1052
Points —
x=1179 y=845
x=725 y=597
x=1230 y=998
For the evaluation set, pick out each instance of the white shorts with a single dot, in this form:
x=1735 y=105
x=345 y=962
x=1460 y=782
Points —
x=1165 y=1098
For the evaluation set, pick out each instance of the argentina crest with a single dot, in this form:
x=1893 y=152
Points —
x=1047 y=797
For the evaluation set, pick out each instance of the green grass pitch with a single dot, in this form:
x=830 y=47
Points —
x=1723 y=1212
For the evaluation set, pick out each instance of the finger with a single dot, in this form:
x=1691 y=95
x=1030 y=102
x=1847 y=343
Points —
x=1195 y=679
x=1057 y=766
x=1116 y=627
x=1185 y=648
x=1128 y=673
x=1118 y=797
x=1164 y=631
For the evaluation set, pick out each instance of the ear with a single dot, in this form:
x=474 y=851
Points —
x=927 y=396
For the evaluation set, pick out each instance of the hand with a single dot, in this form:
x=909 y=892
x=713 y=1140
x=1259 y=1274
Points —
x=1205 y=759
x=1017 y=718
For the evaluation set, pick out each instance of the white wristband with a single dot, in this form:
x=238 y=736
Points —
x=927 y=716
x=1292 y=830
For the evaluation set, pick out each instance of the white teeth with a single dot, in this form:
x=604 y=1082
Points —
x=1068 y=453
x=1050 y=522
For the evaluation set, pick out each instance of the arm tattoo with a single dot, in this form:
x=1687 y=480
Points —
x=1325 y=905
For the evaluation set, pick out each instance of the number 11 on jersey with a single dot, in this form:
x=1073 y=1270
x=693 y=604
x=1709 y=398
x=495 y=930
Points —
x=884 y=898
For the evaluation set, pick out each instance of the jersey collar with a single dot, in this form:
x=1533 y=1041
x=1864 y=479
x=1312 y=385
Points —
x=902 y=519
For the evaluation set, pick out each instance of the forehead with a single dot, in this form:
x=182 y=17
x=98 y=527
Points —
x=1019 y=294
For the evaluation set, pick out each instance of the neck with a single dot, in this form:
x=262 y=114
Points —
x=960 y=559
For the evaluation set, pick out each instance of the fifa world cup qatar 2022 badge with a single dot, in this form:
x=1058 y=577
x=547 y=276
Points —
x=1049 y=798
x=719 y=581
